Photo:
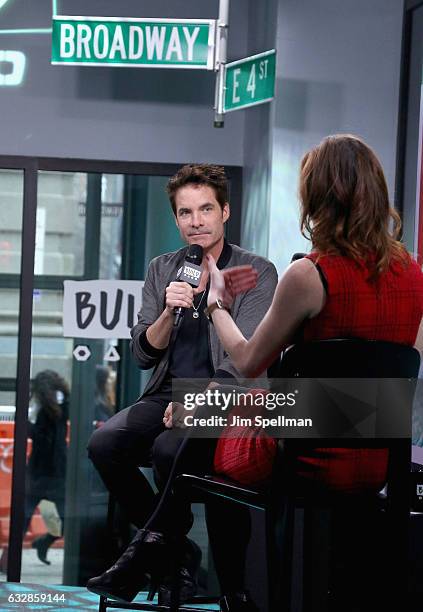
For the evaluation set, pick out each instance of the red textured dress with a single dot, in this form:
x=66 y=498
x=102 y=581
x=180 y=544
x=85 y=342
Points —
x=389 y=309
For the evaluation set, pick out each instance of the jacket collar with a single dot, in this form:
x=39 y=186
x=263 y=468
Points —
x=224 y=257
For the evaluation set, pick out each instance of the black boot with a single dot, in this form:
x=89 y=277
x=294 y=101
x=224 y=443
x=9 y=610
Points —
x=237 y=602
x=42 y=544
x=187 y=576
x=145 y=554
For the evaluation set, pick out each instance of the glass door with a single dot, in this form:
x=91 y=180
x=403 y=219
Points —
x=91 y=221
x=11 y=209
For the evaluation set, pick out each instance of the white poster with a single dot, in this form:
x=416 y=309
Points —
x=100 y=308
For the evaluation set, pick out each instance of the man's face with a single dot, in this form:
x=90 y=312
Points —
x=199 y=217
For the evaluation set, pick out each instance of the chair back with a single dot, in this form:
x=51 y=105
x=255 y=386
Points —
x=350 y=358
x=356 y=358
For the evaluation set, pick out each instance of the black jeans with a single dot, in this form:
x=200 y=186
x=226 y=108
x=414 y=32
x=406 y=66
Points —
x=135 y=437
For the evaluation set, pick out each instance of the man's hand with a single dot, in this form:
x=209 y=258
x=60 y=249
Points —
x=226 y=284
x=174 y=415
x=179 y=294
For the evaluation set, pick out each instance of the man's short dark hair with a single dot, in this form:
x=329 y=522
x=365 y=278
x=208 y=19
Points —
x=199 y=174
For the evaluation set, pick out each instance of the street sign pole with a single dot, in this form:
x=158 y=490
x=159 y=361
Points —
x=221 y=55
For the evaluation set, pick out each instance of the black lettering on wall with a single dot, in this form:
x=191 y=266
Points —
x=131 y=311
x=103 y=309
x=82 y=299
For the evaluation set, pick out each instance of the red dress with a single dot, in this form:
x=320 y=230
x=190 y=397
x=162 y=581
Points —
x=389 y=309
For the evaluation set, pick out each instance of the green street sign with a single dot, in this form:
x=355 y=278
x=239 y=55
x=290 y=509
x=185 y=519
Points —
x=249 y=81
x=115 y=41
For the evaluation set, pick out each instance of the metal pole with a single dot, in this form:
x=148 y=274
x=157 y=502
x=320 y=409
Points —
x=222 y=41
x=17 y=507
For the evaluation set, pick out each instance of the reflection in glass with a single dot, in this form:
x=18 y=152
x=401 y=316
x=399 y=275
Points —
x=9 y=311
x=11 y=208
x=161 y=233
x=46 y=468
x=105 y=394
x=60 y=223
x=112 y=190
x=48 y=441
x=11 y=203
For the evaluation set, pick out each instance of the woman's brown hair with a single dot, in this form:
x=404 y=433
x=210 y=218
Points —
x=345 y=204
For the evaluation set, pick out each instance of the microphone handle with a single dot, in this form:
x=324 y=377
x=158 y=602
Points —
x=179 y=313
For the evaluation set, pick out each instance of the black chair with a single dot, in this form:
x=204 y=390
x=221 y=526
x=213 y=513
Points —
x=341 y=358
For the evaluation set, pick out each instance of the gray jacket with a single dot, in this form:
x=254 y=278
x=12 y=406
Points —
x=247 y=310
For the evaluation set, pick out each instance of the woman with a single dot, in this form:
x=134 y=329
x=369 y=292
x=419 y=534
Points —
x=347 y=216
x=357 y=282
x=46 y=470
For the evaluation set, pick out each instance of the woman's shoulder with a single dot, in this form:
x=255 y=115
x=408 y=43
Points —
x=414 y=267
x=406 y=267
x=332 y=266
x=301 y=282
x=415 y=276
x=331 y=259
x=301 y=274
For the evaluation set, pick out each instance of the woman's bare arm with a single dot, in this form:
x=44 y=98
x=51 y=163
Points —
x=299 y=295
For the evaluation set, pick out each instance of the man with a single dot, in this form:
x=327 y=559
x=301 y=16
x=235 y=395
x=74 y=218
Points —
x=199 y=198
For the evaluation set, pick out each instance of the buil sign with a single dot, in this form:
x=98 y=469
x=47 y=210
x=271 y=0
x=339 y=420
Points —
x=100 y=308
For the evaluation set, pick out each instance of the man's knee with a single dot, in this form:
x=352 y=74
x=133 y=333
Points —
x=100 y=445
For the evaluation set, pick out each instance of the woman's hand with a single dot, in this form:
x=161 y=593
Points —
x=226 y=284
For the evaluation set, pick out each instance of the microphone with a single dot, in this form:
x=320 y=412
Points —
x=189 y=273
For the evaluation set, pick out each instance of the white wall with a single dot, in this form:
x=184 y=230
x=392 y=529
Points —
x=257 y=139
x=338 y=71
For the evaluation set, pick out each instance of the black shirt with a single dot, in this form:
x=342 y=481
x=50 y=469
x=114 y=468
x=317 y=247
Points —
x=190 y=353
